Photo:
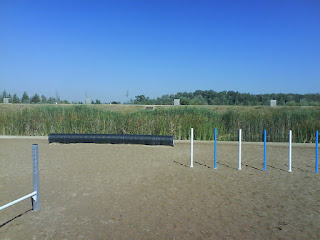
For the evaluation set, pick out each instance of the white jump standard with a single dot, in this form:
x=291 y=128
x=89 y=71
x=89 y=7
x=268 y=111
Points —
x=35 y=195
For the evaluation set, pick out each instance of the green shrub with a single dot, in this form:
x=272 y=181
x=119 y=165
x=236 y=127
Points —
x=44 y=120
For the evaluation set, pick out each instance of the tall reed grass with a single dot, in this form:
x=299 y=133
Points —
x=43 y=120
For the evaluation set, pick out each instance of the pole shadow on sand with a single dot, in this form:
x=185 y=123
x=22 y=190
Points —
x=20 y=215
x=245 y=165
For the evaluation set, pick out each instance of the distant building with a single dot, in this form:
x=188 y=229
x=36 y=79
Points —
x=273 y=103
x=176 y=102
x=88 y=100
x=6 y=100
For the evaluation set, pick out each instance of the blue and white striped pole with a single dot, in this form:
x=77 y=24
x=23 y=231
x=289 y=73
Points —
x=265 y=150
x=215 y=148
x=317 y=139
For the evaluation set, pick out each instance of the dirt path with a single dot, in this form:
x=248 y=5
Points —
x=92 y=191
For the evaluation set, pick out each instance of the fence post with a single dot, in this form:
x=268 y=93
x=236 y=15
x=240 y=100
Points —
x=191 y=165
x=36 y=187
x=240 y=137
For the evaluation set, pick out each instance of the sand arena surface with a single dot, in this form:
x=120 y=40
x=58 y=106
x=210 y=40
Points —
x=104 y=191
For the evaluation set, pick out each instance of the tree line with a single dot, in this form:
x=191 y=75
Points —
x=211 y=97
x=198 y=97
x=37 y=99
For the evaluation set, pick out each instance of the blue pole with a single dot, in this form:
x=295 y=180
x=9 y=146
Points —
x=215 y=148
x=35 y=170
x=265 y=150
x=316 y=152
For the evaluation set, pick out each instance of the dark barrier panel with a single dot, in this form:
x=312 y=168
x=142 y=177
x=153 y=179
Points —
x=111 y=138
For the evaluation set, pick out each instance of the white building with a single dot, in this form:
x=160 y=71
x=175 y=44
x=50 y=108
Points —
x=273 y=103
x=176 y=102
x=6 y=100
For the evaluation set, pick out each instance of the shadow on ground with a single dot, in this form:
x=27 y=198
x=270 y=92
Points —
x=20 y=215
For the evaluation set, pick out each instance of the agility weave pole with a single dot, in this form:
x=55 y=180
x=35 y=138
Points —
x=215 y=149
x=35 y=195
x=317 y=140
x=240 y=137
x=191 y=148
x=290 y=151
x=264 y=150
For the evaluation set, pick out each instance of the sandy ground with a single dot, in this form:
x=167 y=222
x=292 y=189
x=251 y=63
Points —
x=92 y=191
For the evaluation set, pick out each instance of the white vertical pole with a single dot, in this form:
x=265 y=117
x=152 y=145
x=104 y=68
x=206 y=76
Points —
x=239 y=168
x=191 y=147
x=290 y=149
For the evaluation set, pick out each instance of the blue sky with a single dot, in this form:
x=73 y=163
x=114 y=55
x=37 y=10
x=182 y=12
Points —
x=106 y=48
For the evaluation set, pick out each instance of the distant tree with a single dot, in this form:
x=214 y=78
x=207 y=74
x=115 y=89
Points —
x=164 y=100
x=314 y=103
x=140 y=99
x=292 y=103
x=51 y=100
x=97 y=102
x=15 y=98
x=198 y=100
x=185 y=101
x=43 y=99
x=4 y=94
x=35 y=98
x=114 y=102
x=25 y=98
x=303 y=102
